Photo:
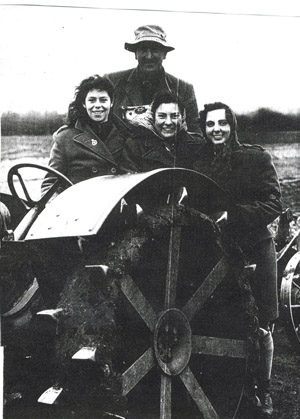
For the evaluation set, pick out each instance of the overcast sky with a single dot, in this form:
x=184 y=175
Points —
x=247 y=61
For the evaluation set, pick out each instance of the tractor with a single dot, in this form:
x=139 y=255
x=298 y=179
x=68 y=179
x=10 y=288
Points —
x=124 y=297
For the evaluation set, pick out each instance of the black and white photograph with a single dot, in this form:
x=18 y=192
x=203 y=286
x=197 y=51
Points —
x=150 y=210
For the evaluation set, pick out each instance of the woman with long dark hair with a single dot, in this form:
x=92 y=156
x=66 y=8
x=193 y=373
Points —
x=247 y=173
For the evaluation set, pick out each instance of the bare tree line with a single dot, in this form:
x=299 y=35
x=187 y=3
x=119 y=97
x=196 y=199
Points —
x=37 y=123
x=30 y=123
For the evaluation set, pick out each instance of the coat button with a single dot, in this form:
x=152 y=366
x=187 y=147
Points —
x=113 y=170
x=94 y=169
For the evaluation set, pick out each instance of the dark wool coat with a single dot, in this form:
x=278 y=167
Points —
x=252 y=182
x=147 y=151
x=128 y=93
x=80 y=154
x=247 y=173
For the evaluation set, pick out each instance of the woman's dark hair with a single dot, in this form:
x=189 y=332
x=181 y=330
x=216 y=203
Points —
x=230 y=117
x=167 y=97
x=221 y=160
x=76 y=109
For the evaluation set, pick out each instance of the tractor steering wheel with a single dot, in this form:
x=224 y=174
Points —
x=61 y=180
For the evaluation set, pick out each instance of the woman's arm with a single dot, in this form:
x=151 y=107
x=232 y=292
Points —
x=57 y=160
x=263 y=203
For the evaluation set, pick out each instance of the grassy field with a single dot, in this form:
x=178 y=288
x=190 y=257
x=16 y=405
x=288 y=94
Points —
x=30 y=149
x=16 y=147
x=286 y=158
x=271 y=137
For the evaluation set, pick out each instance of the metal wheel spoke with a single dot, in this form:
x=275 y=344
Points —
x=289 y=296
x=295 y=313
x=24 y=300
x=198 y=395
x=133 y=375
x=165 y=397
x=231 y=348
x=206 y=289
x=173 y=264
x=295 y=285
x=139 y=302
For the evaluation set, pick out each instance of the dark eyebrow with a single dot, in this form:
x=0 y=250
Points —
x=219 y=120
x=100 y=97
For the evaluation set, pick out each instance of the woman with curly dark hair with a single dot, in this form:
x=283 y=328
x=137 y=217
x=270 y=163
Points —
x=247 y=173
x=91 y=142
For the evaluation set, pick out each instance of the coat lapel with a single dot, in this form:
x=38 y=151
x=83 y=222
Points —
x=88 y=139
x=157 y=151
x=128 y=92
x=132 y=93
x=186 y=148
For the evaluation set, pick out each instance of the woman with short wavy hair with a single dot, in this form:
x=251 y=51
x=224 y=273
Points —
x=91 y=142
x=165 y=141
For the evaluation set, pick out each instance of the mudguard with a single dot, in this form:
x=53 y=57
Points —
x=82 y=209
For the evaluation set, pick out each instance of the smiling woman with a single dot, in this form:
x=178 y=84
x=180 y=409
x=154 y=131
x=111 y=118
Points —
x=217 y=127
x=247 y=173
x=165 y=142
x=168 y=119
x=91 y=142
x=97 y=104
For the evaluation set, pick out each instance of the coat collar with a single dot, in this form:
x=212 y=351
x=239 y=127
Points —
x=156 y=149
x=130 y=84
x=88 y=138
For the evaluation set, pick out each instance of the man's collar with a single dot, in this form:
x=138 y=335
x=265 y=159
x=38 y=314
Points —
x=149 y=75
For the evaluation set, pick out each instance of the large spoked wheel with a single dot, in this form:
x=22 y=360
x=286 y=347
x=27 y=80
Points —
x=290 y=299
x=183 y=318
x=60 y=181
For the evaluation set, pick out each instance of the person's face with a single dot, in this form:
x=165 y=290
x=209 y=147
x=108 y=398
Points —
x=150 y=56
x=167 y=119
x=217 y=127
x=98 y=104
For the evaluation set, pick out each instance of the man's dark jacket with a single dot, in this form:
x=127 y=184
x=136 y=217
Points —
x=128 y=93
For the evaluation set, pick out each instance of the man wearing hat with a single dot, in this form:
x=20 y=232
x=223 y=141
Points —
x=136 y=87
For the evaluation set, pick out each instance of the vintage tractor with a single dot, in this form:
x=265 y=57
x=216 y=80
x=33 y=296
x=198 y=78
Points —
x=124 y=297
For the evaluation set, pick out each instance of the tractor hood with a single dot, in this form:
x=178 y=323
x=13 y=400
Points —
x=82 y=209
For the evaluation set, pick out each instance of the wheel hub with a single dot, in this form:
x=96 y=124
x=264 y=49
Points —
x=172 y=341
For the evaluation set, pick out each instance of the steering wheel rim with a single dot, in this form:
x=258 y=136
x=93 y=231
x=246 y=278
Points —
x=14 y=171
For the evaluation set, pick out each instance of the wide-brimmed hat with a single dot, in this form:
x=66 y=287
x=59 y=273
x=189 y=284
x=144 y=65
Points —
x=149 y=33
